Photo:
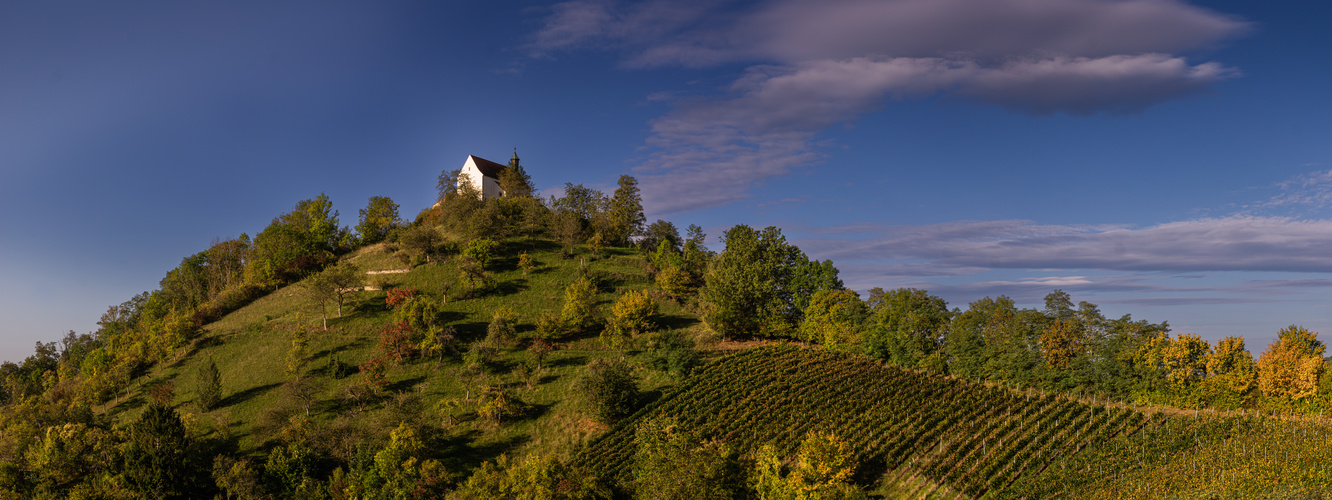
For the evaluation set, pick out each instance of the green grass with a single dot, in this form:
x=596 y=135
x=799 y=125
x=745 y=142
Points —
x=250 y=348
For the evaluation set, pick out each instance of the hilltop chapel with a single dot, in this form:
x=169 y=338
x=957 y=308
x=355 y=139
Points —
x=484 y=175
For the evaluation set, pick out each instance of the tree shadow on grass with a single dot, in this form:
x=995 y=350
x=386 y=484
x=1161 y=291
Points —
x=405 y=384
x=245 y=395
x=468 y=455
x=673 y=322
x=334 y=350
x=566 y=361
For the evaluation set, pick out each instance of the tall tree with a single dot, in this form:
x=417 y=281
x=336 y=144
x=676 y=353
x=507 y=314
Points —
x=626 y=211
x=759 y=284
x=907 y=327
x=159 y=458
x=514 y=180
x=377 y=218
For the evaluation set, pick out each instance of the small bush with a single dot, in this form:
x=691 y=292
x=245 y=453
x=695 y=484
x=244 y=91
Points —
x=635 y=312
x=208 y=386
x=482 y=251
x=550 y=326
x=502 y=331
x=676 y=282
x=580 y=299
x=398 y=296
x=609 y=389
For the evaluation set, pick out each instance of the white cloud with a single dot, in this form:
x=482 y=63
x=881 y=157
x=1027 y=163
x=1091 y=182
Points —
x=817 y=64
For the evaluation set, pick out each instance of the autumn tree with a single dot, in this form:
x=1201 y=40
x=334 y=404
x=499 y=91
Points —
x=580 y=299
x=634 y=312
x=377 y=218
x=1231 y=372
x=822 y=469
x=1292 y=364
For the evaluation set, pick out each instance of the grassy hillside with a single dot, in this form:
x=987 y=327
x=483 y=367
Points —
x=250 y=347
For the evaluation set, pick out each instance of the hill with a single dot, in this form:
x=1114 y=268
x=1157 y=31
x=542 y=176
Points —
x=507 y=348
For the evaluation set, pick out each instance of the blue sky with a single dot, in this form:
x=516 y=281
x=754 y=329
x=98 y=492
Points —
x=1162 y=158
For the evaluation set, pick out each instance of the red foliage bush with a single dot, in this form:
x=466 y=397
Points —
x=395 y=341
x=374 y=369
x=397 y=296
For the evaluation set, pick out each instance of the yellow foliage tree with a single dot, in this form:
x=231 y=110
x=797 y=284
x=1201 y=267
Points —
x=1292 y=364
x=1231 y=367
x=1185 y=358
x=635 y=312
x=834 y=318
x=1061 y=342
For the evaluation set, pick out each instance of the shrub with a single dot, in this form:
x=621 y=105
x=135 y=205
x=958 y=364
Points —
x=550 y=326
x=395 y=341
x=374 y=369
x=579 y=313
x=208 y=386
x=676 y=282
x=398 y=296
x=482 y=251
x=635 y=312
x=609 y=389
x=502 y=331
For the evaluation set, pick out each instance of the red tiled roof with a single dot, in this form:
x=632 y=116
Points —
x=488 y=168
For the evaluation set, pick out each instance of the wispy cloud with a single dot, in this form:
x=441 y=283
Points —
x=1219 y=244
x=817 y=64
x=1310 y=190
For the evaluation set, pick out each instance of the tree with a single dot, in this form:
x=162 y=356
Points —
x=993 y=340
x=296 y=243
x=208 y=386
x=514 y=180
x=1292 y=364
x=625 y=211
x=481 y=250
x=634 y=312
x=421 y=240
x=907 y=327
x=1231 y=372
x=1184 y=358
x=661 y=231
x=583 y=202
x=159 y=456
x=822 y=470
x=609 y=389
x=377 y=218
x=757 y=285
x=835 y=318
x=673 y=463
x=580 y=299
x=332 y=285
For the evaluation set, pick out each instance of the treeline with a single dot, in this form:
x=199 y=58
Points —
x=762 y=286
x=154 y=326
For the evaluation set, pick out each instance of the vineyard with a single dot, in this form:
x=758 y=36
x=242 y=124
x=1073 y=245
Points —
x=925 y=434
